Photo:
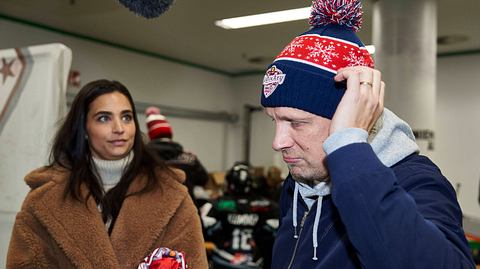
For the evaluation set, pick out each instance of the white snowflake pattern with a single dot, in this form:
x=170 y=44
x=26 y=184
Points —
x=354 y=60
x=293 y=46
x=326 y=52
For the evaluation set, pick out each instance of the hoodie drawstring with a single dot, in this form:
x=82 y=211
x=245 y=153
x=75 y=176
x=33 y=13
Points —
x=315 y=227
x=320 y=190
x=295 y=199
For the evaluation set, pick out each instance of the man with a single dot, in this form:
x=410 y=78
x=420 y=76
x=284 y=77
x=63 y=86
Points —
x=358 y=195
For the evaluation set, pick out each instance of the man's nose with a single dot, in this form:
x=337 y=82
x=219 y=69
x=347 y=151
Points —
x=282 y=139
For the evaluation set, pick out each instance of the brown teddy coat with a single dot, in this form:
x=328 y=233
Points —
x=53 y=232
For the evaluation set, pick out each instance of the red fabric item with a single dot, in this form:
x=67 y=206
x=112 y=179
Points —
x=165 y=263
x=164 y=258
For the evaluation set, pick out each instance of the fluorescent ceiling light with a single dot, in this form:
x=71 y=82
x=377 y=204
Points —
x=265 y=18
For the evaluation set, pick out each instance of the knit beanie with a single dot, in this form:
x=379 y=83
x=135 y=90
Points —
x=301 y=76
x=157 y=124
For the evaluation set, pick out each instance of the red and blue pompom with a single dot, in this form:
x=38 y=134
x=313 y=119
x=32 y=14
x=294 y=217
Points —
x=341 y=12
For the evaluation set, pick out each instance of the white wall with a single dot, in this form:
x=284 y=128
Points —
x=457 y=142
x=6 y=225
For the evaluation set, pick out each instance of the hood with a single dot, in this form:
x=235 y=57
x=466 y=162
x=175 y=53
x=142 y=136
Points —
x=392 y=139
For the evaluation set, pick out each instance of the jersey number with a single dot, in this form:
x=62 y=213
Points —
x=241 y=239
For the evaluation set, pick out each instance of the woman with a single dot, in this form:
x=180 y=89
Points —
x=104 y=201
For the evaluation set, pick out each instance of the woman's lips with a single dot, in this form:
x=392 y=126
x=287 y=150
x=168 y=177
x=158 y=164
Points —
x=118 y=142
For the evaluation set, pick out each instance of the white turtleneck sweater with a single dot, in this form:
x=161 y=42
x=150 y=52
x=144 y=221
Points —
x=110 y=172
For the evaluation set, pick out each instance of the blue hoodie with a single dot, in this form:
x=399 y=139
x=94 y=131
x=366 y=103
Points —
x=389 y=208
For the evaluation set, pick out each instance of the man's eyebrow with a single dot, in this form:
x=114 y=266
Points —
x=292 y=118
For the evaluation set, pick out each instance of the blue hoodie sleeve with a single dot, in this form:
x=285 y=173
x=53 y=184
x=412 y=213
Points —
x=415 y=224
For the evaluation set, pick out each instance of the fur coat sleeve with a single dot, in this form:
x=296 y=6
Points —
x=53 y=232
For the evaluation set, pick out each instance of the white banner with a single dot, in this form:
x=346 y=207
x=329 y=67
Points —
x=33 y=83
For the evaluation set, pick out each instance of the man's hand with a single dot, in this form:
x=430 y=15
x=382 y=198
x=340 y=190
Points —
x=362 y=103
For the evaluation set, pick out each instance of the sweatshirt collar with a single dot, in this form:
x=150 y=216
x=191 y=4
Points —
x=310 y=195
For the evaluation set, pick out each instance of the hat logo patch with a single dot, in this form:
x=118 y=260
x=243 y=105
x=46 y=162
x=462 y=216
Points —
x=273 y=77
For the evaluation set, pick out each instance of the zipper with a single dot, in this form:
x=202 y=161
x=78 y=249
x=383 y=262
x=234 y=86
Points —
x=298 y=239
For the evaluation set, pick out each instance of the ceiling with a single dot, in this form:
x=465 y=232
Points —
x=186 y=33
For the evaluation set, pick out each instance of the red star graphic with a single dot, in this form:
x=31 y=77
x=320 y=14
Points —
x=6 y=69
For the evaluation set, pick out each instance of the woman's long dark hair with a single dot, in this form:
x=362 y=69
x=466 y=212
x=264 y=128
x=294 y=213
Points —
x=71 y=151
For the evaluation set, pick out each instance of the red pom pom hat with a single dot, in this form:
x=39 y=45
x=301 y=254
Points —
x=158 y=126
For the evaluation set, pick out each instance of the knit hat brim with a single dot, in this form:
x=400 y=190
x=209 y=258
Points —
x=316 y=86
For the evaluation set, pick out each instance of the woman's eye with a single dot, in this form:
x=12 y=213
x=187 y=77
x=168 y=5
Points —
x=103 y=118
x=127 y=118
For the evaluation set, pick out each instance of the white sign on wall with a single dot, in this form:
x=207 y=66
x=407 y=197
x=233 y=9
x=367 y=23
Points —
x=32 y=101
